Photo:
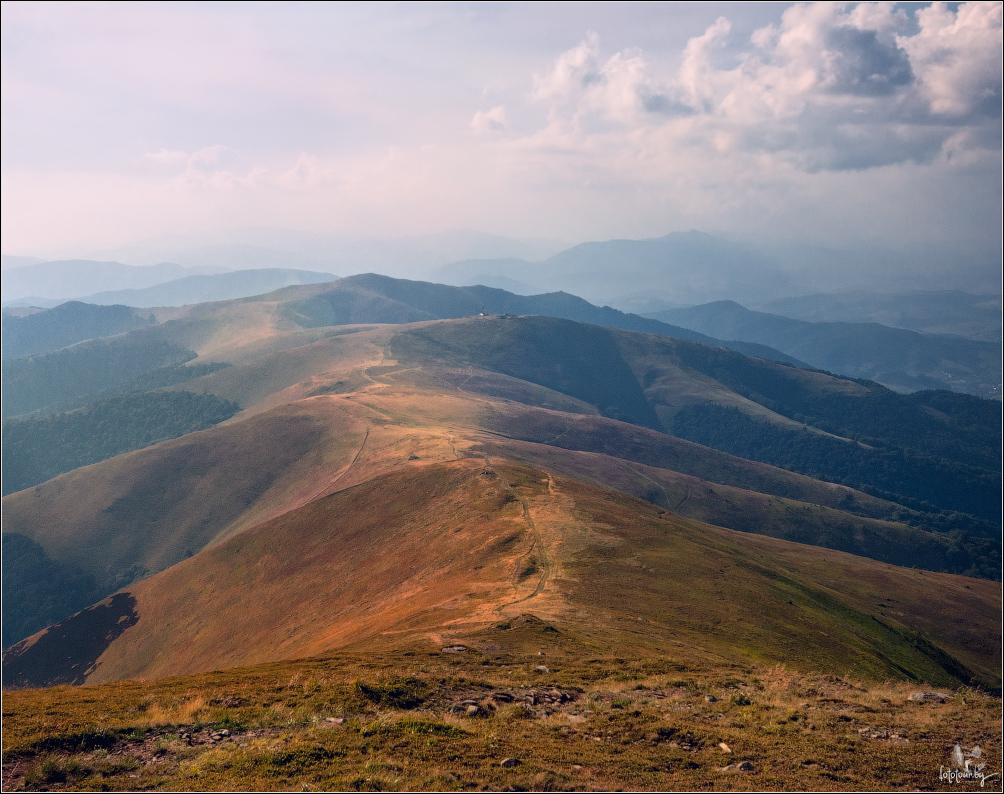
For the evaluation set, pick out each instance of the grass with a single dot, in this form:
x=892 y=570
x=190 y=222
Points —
x=657 y=732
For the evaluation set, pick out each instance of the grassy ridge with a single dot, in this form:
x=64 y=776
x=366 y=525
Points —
x=136 y=514
x=894 y=542
x=558 y=354
x=472 y=542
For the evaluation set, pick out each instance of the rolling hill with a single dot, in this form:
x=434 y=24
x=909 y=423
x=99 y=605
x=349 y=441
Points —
x=47 y=330
x=202 y=288
x=396 y=480
x=901 y=359
x=49 y=283
x=965 y=314
x=475 y=542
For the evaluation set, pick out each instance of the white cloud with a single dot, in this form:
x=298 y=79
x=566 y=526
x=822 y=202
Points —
x=829 y=88
x=493 y=120
x=346 y=116
x=957 y=58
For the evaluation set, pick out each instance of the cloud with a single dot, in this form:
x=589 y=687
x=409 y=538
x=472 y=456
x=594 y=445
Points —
x=884 y=117
x=957 y=57
x=830 y=88
x=493 y=120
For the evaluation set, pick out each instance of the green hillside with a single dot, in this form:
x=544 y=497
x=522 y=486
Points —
x=65 y=325
x=37 y=449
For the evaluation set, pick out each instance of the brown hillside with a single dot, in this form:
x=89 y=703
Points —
x=436 y=555
x=343 y=412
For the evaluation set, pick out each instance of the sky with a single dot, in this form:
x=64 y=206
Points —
x=833 y=124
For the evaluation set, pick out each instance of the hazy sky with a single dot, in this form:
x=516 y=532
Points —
x=830 y=123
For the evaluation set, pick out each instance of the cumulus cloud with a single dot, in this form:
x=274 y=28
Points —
x=957 y=57
x=830 y=88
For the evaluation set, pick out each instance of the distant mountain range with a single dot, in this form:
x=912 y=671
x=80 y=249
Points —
x=158 y=285
x=641 y=276
x=939 y=312
x=62 y=280
x=899 y=358
x=693 y=267
x=206 y=288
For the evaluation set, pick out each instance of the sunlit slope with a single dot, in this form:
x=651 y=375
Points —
x=139 y=513
x=333 y=413
x=437 y=554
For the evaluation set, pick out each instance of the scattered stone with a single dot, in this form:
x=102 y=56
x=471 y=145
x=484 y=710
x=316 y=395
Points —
x=224 y=732
x=926 y=697
x=745 y=766
x=728 y=768
x=725 y=747
x=541 y=668
x=710 y=699
x=576 y=767
x=468 y=702
x=453 y=649
x=508 y=763
x=472 y=710
x=502 y=697
x=335 y=720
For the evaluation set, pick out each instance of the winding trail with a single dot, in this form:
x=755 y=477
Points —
x=537 y=544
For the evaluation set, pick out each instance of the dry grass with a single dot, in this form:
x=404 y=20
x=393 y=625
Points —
x=798 y=731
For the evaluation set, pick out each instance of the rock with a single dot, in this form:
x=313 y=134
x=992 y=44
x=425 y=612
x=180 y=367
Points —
x=927 y=697
x=472 y=710
x=468 y=702
x=576 y=767
x=710 y=699
x=502 y=697
x=224 y=732
x=508 y=763
x=453 y=649
x=541 y=668
x=729 y=768
x=335 y=720
x=745 y=766
x=725 y=747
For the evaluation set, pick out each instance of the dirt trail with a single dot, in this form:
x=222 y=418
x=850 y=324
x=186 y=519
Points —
x=325 y=489
x=537 y=545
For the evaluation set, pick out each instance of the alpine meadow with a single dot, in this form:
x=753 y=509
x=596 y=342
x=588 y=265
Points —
x=494 y=397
